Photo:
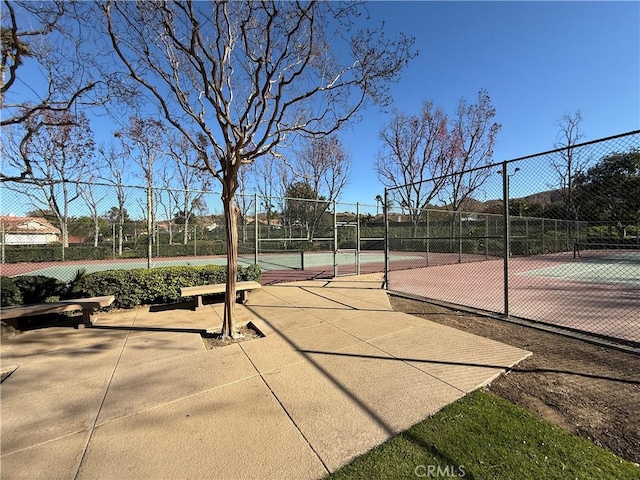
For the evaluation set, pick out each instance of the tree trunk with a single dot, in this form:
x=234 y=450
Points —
x=230 y=216
x=120 y=239
x=185 y=237
x=64 y=228
x=96 y=232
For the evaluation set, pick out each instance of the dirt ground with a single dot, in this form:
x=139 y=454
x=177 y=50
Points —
x=246 y=333
x=587 y=389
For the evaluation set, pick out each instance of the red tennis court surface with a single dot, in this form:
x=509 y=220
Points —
x=610 y=307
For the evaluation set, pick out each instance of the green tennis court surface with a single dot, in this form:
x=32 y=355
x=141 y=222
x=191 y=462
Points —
x=267 y=261
x=622 y=270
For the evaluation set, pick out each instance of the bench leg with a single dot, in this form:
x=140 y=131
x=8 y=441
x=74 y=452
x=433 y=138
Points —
x=244 y=296
x=86 y=317
x=197 y=302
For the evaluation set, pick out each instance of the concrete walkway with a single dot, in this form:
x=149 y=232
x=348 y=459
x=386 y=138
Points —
x=139 y=396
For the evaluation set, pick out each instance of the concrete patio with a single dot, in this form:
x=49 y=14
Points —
x=140 y=397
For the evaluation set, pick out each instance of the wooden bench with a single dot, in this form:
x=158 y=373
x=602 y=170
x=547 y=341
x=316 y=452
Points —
x=85 y=304
x=198 y=291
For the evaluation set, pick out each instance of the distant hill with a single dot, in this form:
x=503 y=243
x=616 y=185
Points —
x=548 y=197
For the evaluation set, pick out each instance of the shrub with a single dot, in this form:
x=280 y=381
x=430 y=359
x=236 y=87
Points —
x=53 y=253
x=156 y=285
x=9 y=292
x=38 y=288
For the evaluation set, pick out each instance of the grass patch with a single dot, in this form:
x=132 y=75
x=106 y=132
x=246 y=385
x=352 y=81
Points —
x=482 y=436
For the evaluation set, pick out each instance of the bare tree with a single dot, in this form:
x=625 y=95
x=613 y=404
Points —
x=67 y=76
x=249 y=75
x=167 y=196
x=192 y=181
x=325 y=164
x=144 y=141
x=567 y=163
x=116 y=160
x=414 y=157
x=266 y=177
x=472 y=138
x=92 y=200
x=59 y=154
x=245 y=202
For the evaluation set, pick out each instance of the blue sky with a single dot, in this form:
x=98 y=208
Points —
x=537 y=60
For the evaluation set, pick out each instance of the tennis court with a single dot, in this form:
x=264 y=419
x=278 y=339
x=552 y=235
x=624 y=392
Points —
x=347 y=263
x=598 y=292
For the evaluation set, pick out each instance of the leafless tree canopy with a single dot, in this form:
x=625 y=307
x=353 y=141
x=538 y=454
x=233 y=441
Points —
x=415 y=148
x=568 y=163
x=63 y=73
x=325 y=164
x=248 y=75
x=473 y=136
x=60 y=156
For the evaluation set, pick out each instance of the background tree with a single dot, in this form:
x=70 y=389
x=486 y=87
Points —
x=245 y=202
x=192 y=182
x=144 y=142
x=60 y=155
x=324 y=164
x=301 y=207
x=167 y=196
x=265 y=173
x=67 y=77
x=568 y=162
x=249 y=75
x=609 y=192
x=116 y=160
x=414 y=157
x=92 y=199
x=472 y=138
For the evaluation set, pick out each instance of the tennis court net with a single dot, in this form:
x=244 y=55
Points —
x=274 y=259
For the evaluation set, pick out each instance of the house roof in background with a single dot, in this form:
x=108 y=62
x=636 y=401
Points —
x=28 y=225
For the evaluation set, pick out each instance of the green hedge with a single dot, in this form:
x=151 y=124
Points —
x=9 y=292
x=156 y=285
x=40 y=289
x=53 y=253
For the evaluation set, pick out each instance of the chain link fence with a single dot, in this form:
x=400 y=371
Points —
x=56 y=229
x=553 y=237
x=105 y=226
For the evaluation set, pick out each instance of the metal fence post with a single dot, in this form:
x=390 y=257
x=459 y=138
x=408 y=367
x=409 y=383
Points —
x=3 y=241
x=385 y=212
x=256 y=229
x=335 y=240
x=459 y=236
x=428 y=239
x=505 y=216
x=486 y=237
x=149 y=227
x=357 y=238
